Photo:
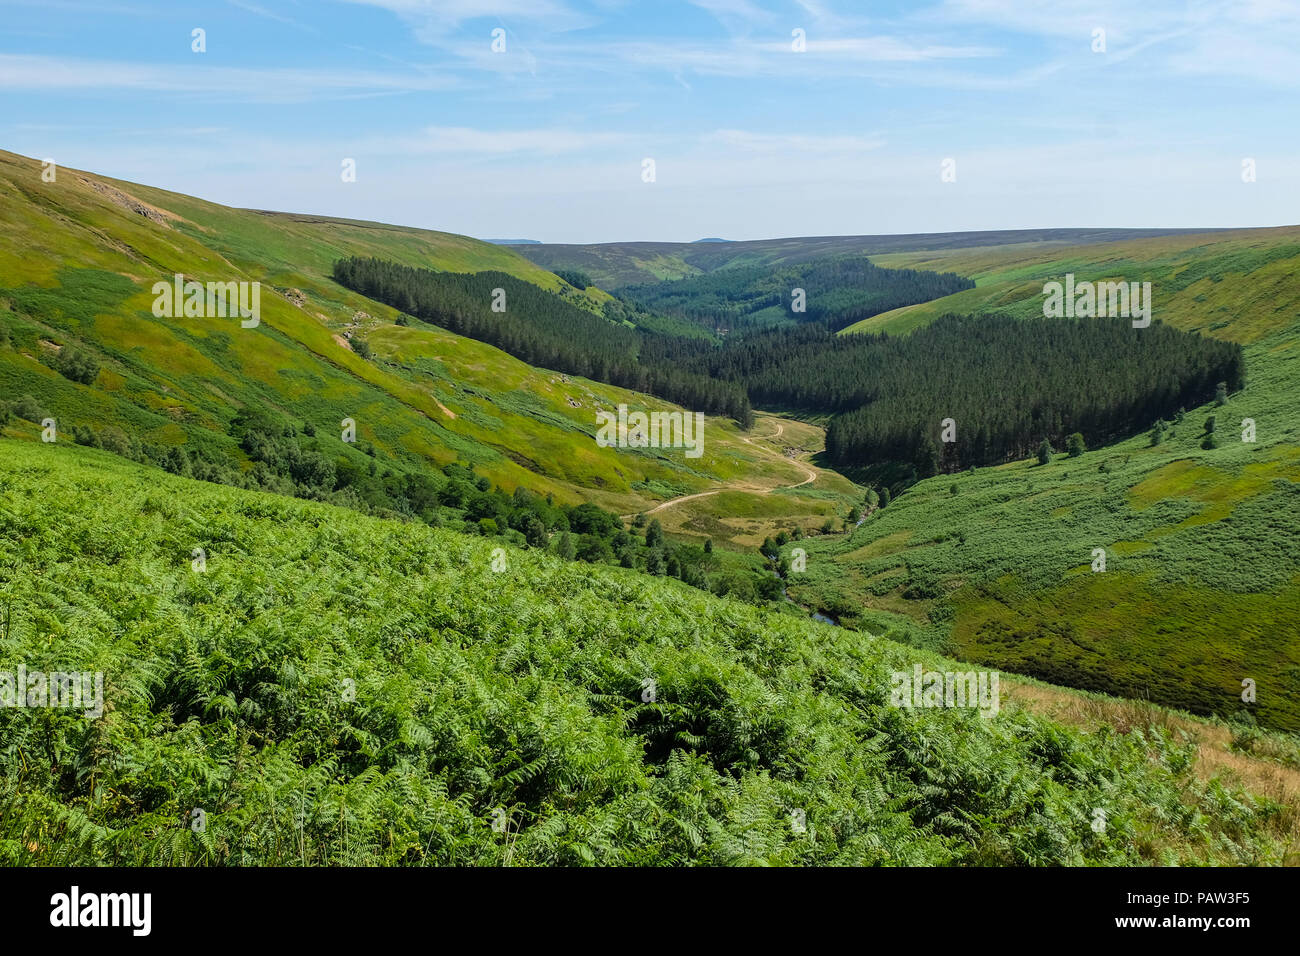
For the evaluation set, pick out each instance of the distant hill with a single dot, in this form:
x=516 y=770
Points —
x=514 y=242
x=613 y=265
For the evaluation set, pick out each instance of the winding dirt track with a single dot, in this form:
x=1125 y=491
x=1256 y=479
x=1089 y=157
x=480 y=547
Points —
x=741 y=485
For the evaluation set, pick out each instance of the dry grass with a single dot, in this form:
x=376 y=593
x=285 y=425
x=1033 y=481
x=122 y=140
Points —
x=1215 y=754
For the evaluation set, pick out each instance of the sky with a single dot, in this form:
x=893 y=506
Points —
x=535 y=119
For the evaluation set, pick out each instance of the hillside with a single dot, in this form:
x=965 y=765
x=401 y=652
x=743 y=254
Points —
x=331 y=688
x=613 y=265
x=79 y=256
x=1202 y=578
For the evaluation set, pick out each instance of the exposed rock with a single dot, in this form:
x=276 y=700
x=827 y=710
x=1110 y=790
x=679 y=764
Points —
x=129 y=202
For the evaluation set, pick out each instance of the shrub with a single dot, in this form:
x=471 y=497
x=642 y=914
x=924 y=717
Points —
x=74 y=364
x=28 y=408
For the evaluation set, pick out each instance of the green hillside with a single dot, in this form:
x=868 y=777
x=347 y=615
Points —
x=1202 y=582
x=78 y=259
x=331 y=688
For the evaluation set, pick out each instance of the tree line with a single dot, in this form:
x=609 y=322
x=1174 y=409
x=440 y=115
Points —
x=1007 y=384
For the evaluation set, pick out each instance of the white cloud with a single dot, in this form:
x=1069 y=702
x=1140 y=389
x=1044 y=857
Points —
x=883 y=49
x=1258 y=40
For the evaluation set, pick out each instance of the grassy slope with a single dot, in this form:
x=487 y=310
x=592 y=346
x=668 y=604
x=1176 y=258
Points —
x=77 y=266
x=1202 y=586
x=1233 y=284
x=337 y=689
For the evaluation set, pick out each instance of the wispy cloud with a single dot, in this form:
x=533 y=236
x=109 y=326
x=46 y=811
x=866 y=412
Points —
x=49 y=74
x=734 y=12
x=262 y=11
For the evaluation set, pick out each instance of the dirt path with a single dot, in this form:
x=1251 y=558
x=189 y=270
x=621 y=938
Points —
x=676 y=501
x=780 y=429
x=740 y=485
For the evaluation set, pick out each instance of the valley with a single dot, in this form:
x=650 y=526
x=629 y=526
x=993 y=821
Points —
x=476 y=550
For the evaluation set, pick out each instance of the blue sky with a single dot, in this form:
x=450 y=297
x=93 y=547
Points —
x=750 y=138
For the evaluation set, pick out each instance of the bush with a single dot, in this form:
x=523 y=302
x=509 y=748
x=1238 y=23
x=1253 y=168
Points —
x=177 y=461
x=1075 y=445
x=28 y=408
x=74 y=364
